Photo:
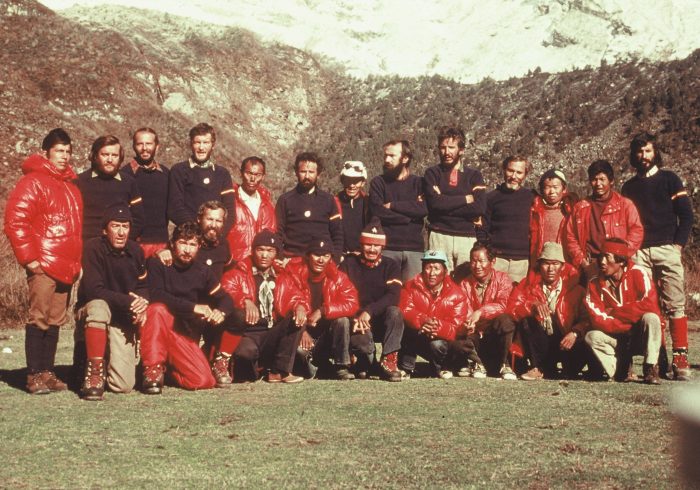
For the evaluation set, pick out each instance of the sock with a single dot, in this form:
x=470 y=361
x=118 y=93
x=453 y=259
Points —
x=228 y=342
x=49 y=346
x=95 y=342
x=32 y=347
x=679 y=333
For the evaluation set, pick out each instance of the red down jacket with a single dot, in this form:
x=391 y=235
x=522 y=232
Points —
x=537 y=224
x=239 y=283
x=495 y=297
x=340 y=297
x=449 y=308
x=638 y=296
x=245 y=226
x=43 y=219
x=571 y=311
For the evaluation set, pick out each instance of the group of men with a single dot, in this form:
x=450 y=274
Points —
x=244 y=288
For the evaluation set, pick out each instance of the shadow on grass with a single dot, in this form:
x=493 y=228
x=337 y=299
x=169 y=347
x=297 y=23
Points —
x=17 y=378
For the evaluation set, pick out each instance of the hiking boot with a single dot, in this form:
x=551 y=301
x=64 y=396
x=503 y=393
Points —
x=36 y=385
x=153 y=377
x=52 y=382
x=94 y=382
x=389 y=370
x=342 y=373
x=478 y=371
x=404 y=374
x=651 y=374
x=631 y=375
x=533 y=374
x=292 y=379
x=273 y=378
x=507 y=373
x=220 y=370
x=681 y=368
x=444 y=374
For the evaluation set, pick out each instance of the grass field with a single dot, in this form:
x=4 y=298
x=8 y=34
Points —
x=459 y=433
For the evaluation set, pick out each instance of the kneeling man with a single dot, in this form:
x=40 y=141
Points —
x=625 y=314
x=548 y=304
x=434 y=309
x=265 y=336
x=112 y=301
x=186 y=297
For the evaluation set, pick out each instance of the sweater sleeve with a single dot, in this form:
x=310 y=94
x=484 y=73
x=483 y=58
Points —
x=415 y=208
x=438 y=201
x=177 y=212
x=217 y=296
x=94 y=282
x=392 y=291
x=335 y=227
x=136 y=207
x=160 y=294
x=683 y=207
x=377 y=199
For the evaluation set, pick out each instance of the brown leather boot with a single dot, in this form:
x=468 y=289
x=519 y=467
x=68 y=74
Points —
x=94 y=383
x=36 y=385
x=220 y=370
x=651 y=374
x=52 y=382
x=389 y=369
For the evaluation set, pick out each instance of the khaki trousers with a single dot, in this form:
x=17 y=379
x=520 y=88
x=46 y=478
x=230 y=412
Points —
x=48 y=300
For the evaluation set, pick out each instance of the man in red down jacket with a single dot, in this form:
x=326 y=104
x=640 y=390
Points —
x=43 y=220
x=255 y=332
x=321 y=299
x=434 y=309
x=625 y=315
x=255 y=210
x=549 y=307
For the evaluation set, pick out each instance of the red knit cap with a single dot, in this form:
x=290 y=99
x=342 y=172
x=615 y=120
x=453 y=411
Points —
x=616 y=248
x=373 y=234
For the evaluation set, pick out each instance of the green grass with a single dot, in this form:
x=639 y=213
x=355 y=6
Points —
x=460 y=433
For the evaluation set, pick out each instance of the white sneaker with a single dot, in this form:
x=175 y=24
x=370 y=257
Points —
x=478 y=371
x=404 y=374
x=445 y=374
x=508 y=374
x=464 y=372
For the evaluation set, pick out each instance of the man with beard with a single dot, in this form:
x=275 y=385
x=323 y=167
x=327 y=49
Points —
x=603 y=215
x=112 y=304
x=377 y=280
x=625 y=315
x=321 y=299
x=186 y=299
x=255 y=211
x=549 y=307
x=307 y=212
x=667 y=217
x=506 y=221
x=266 y=337
x=152 y=182
x=199 y=180
x=43 y=221
x=456 y=199
x=434 y=310
x=353 y=204
x=549 y=212
x=103 y=186
x=396 y=198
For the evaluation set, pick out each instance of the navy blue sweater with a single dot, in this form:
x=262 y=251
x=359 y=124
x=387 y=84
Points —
x=379 y=287
x=507 y=221
x=403 y=221
x=153 y=187
x=355 y=212
x=664 y=208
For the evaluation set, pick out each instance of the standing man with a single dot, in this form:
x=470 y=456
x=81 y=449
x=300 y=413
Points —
x=43 y=221
x=152 y=183
x=549 y=307
x=396 y=198
x=488 y=331
x=353 y=204
x=321 y=300
x=103 y=186
x=667 y=217
x=603 y=215
x=307 y=212
x=255 y=211
x=377 y=280
x=266 y=337
x=506 y=221
x=199 y=180
x=434 y=309
x=112 y=302
x=549 y=212
x=625 y=315
x=456 y=199
x=186 y=298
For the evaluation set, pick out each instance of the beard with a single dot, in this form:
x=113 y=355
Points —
x=212 y=235
x=393 y=174
x=142 y=162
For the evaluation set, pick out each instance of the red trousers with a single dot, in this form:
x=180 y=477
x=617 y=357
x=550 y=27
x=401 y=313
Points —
x=163 y=343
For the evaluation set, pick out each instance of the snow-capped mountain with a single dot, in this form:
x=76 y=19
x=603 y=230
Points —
x=466 y=40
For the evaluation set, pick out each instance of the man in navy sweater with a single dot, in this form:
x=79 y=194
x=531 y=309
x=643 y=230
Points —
x=456 y=199
x=667 y=217
x=353 y=204
x=198 y=180
x=376 y=279
x=396 y=198
x=507 y=218
x=152 y=182
x=306 y=212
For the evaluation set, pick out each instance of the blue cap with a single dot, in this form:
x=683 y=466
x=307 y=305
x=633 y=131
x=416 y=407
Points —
x=434 y=256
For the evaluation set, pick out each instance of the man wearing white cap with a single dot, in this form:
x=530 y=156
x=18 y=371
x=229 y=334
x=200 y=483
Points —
x=353 y=204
